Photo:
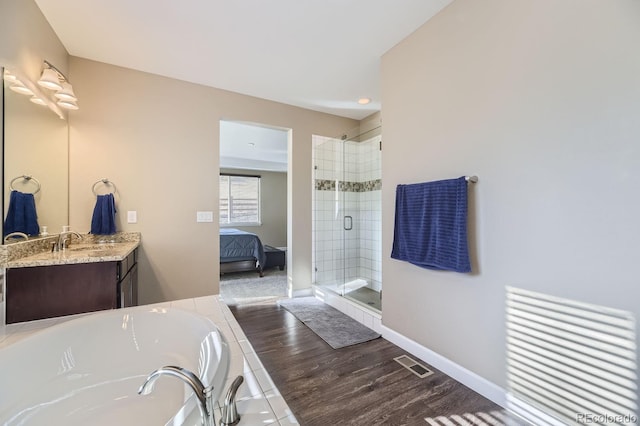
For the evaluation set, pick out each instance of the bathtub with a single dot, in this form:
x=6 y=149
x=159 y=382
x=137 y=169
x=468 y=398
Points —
x=88 y=370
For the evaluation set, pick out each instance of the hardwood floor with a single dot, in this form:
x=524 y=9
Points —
x=357 y=385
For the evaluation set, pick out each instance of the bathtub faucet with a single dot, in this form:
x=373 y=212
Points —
x=204 y=394
x=230 y=416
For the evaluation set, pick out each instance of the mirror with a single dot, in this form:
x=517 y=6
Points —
x=36 y=145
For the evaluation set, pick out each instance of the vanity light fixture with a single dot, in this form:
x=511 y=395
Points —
x=66 y=93
x=8 y=77
x=15 y=83
x=37 y=100
x=67 y=104
x=20 y=83
x=53 y=79
x=50 y=79
x=19 y=87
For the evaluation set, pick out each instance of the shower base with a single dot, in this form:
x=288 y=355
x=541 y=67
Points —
x=346 y=288
x=366 y=296
x=357 y=291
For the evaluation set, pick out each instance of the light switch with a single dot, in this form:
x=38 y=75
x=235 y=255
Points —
x=132 y=216
x=206 y=216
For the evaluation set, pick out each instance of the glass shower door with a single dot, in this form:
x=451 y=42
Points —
x=348 y=207
x=347 y=217
x=329 y=218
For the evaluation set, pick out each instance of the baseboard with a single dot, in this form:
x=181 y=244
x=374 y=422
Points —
x=468 y=378
x=302 y=292
x=533 y=414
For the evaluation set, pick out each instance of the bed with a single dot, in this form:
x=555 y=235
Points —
x=241 y=251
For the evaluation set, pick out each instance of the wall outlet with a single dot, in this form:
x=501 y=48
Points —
x=206 y=216
x=132 y=216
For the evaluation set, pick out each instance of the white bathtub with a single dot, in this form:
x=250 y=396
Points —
x=87 y=371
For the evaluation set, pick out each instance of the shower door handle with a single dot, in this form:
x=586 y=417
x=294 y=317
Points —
x=348 y=223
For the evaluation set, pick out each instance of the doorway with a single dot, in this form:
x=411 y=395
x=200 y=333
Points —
x=253 y=200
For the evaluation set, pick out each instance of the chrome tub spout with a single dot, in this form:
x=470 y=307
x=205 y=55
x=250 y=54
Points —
x=204 y=394
x=230 y=414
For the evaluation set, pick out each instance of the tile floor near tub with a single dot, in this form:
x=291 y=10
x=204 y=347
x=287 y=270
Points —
x=258 y=399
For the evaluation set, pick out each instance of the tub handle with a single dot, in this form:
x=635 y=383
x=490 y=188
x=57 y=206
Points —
x=230 y=414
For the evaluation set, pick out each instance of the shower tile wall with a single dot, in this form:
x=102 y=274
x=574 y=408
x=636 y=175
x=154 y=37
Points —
x=357 y=179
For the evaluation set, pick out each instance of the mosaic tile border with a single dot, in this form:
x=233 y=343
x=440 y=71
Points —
x=330 y=185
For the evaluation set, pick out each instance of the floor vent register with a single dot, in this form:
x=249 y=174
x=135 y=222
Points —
x=413 y=366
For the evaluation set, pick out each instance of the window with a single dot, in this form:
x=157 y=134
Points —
x=239 y=200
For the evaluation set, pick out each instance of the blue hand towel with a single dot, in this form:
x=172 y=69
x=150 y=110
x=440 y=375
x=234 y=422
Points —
x=103 y=221
x=431 y=225
x=21 y=214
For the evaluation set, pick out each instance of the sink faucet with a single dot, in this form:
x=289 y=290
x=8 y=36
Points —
x=16 y=235
x=63 y=240
x=204 y=394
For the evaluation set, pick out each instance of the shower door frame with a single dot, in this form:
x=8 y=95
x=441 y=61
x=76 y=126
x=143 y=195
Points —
x=345 y=201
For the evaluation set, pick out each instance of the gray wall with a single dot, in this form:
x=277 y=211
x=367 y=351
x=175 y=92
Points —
x=540 y=99
x=157 y=139
x=135 y=129
x=26 y=38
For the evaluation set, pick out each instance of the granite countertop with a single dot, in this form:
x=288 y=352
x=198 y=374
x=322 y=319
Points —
x=88 y=250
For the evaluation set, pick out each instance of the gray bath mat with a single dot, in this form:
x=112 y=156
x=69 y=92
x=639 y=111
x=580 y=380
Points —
x=334 y=327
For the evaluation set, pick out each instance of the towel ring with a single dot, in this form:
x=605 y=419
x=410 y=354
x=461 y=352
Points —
x=104 y=181
x=27 y=178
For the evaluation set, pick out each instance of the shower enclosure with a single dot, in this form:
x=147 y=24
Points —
x=347 y=235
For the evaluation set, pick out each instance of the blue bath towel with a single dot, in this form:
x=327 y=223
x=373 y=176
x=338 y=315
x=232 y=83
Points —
x=431 y=225
x=21 y=214
x=103 y=221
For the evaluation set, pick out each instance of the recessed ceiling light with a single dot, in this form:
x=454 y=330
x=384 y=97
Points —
x=364 y=101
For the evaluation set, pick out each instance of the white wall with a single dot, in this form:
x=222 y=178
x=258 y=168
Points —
x=540 y=99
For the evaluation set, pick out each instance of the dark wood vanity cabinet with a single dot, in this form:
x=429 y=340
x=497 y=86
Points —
x=50 y=291
x=128 y=281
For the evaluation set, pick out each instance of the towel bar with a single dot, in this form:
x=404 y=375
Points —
x=104 y=181
x=27 y=178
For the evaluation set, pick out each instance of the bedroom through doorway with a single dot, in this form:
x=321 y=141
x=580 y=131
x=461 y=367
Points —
x=253 y=212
